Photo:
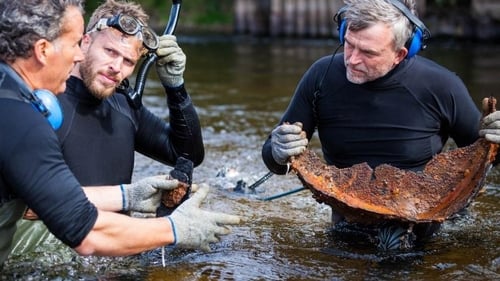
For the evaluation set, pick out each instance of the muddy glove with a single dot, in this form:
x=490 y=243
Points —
x=145 y=195
x=287 y=140
x=195 y=228
x=171 y=62
x=490 y=127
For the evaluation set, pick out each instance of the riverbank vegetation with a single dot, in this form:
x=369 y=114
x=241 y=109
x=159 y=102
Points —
x=195 y=14
x=473 y=19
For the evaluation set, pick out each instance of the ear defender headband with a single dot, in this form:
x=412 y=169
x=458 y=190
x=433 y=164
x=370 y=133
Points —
x=415 y=43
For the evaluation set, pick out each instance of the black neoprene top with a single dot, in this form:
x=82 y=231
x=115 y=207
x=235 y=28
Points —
x=32 y=169
x=402 y=119
x=99 y=137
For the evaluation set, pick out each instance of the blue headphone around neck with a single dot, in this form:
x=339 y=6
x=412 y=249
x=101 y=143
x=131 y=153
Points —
x=415 y=43
x=42 y=100
x=47 y=103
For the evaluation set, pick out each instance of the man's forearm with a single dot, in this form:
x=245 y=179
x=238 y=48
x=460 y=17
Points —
x=105 y=198
x=119 y=235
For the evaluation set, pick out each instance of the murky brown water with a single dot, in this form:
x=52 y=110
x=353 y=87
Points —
x=241 y=89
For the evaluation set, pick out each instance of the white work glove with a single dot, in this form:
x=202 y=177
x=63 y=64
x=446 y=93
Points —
x=490 y=127
x=195 y=228
x=287 y=140
x=171 y=62
x=144 y=196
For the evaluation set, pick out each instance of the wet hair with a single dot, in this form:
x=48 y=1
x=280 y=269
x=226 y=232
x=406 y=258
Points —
x=23 y=22
x=111 y=8
x=361 y=14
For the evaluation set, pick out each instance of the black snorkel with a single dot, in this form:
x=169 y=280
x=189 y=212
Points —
x=134 y=95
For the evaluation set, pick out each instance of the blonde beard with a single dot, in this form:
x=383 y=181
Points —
x=95 y=89
x=98 y=92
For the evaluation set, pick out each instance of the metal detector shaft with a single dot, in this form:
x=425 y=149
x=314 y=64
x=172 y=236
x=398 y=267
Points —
x=140 y=81
x=283 y=194
x=261 y=180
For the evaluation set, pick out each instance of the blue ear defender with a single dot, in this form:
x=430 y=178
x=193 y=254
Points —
x=415 y=43
x=341 y=23
x=48 y=104
x=342 y=31
x=417 y=39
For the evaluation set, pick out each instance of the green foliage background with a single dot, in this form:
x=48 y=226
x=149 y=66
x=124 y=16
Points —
x=195 y=14
x=217 y=15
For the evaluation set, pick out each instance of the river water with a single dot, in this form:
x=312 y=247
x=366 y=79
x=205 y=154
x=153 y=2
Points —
x=241 y=87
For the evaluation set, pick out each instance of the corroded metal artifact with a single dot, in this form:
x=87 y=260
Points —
x=449 y=182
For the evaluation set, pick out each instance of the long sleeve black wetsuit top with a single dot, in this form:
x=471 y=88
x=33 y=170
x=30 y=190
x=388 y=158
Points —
x=33 y=171
x=402 y=119
x=99 y=137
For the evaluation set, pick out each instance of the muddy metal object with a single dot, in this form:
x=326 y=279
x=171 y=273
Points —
x=448 y=183
x=173 y=198
x=183 y=172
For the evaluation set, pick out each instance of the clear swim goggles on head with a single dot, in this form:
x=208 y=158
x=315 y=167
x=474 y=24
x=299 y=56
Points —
x=130 y=26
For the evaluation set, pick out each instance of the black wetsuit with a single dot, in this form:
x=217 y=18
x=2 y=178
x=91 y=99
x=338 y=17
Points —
x=402 y=119
x=33 y=171
x=99 y=137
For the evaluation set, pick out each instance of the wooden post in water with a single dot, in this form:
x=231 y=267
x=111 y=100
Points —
x=251 y=16
x=301 y=18
x=276 y=21
x=240 y=26
x=325 y=19
x=261 y=17
x=251 y=19
x=313 y=18
x=289 y=19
